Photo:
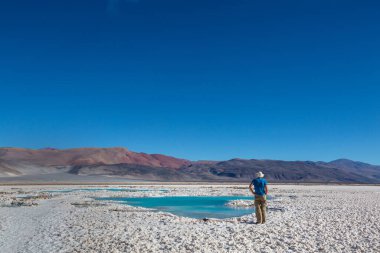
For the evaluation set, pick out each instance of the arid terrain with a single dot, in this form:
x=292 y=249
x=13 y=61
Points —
x=121 y=165
x=314 y=218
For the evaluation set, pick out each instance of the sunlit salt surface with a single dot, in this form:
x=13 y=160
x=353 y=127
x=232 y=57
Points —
x=106 y=189
x=190 y=206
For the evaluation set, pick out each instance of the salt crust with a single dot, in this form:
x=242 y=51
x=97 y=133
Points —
x=300 y=219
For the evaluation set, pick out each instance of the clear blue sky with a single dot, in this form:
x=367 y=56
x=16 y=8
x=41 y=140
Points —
x=199 y=79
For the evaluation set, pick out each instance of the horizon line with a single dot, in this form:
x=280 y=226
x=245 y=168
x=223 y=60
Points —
x=199 y=160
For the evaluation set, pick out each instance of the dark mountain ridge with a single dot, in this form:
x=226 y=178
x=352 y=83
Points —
x=122 y=163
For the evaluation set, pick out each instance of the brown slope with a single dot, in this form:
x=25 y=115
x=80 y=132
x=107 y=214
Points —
x=280 y=171
x=125 y=163
x=51 y=158
x=368 y=170
x=6 y=171
x=237 y=170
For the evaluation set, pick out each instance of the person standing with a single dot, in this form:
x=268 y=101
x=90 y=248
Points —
x=260 y=191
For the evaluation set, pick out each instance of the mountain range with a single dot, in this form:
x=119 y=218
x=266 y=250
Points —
x=123 y=164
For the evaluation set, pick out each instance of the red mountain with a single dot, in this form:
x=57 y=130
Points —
x=19 y=161
x=93 y=163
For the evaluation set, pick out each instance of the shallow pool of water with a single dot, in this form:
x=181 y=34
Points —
x=190 y=206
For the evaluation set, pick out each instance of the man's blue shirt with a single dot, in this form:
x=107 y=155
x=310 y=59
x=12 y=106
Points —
x=259 y=184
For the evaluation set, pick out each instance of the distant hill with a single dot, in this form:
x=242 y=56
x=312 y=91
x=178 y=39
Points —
x=121 y=163
x=370 y=171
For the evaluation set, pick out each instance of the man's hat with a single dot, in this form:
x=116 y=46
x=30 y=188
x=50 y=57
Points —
x=259 y=174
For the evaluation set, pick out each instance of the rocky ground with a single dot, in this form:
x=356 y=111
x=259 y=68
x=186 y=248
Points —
x=300 y=219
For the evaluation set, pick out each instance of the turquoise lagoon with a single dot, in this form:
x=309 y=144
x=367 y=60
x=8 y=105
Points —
x=190 y=206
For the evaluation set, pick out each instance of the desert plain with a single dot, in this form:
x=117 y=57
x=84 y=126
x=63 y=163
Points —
x=301 y=218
